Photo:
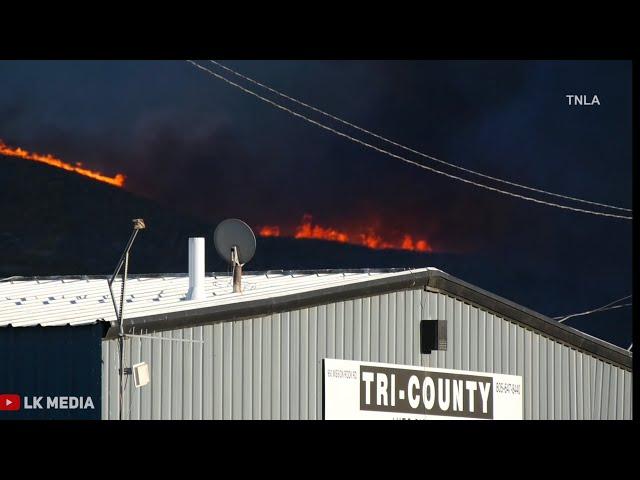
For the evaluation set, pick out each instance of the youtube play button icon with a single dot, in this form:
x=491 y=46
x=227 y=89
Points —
x=9 y=401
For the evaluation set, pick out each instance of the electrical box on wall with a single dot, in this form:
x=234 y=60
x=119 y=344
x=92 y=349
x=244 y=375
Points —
x=433 y=335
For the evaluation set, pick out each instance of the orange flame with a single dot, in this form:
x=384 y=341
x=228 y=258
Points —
x=369 y=239
x=49 y=159
x=269 y=231
x=306 y=230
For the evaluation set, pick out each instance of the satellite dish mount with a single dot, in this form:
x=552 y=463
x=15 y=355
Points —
x=237 y=270
x=236 y=243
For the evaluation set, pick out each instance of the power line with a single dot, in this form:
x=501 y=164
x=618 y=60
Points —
x=430 y=157
x=608 y=306
x=361 y=142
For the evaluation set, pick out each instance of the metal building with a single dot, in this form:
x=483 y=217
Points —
x=259 y=354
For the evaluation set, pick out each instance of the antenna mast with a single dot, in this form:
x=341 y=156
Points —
x=138 y=224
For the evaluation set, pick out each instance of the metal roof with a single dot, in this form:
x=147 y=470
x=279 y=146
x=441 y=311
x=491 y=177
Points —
x=158 y=302
x=59 y=301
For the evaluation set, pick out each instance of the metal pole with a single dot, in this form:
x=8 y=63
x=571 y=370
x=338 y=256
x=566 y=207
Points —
x=122 y=292
x=119 y=266
x=237 y=271
x=237 y=278
x=138 y=224
x=121 y=335
x=121 y=387
x=125 y=253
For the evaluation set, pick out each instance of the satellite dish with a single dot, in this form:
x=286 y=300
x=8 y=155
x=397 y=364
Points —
x=236 y=244
x=235 y=233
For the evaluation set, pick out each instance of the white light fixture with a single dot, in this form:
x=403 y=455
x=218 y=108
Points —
x=141 y=374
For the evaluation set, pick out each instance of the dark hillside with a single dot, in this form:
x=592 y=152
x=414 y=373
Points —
x=58 y=223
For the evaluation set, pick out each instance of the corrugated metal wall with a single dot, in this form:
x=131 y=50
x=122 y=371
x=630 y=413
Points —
x=271 y=367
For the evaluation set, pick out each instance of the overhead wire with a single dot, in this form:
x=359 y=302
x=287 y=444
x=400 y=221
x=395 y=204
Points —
x=409 y=149
x=406 y=160
x=608 y=306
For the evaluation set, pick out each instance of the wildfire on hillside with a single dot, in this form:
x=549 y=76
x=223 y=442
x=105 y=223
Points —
x=117 y=180
x=368 y=238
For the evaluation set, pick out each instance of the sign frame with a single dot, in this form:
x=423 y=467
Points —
x=359 y=390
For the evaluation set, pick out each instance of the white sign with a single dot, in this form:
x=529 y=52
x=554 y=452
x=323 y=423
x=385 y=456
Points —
x=381 y=391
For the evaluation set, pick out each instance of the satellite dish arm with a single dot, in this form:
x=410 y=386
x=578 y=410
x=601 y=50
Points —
x=237 y=270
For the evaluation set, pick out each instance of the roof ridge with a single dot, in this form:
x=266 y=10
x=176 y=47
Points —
x=216 y=273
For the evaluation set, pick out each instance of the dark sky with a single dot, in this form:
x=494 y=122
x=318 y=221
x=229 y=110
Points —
x=190 y=141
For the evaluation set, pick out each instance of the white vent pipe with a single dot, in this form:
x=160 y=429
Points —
x=196 y=269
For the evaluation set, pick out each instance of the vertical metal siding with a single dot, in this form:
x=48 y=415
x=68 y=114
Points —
x=286 y=369
x=535 y=384
x=482 y=339
x=527 y=373
x=472 y=343
x=271 y=367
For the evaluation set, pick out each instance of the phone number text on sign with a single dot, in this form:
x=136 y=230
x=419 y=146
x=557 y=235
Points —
x=512 y=388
